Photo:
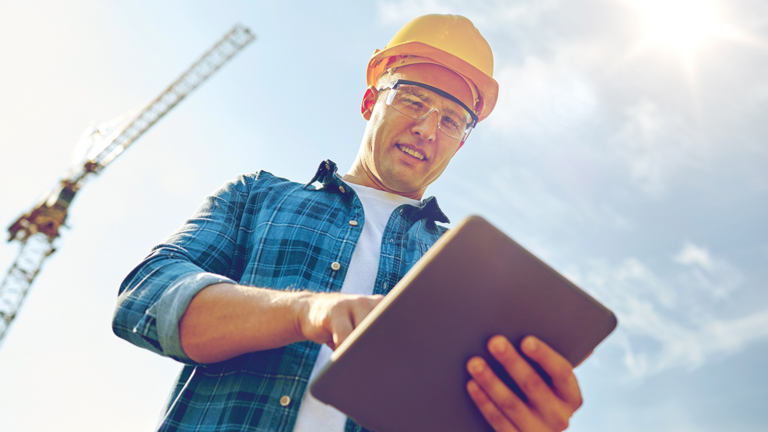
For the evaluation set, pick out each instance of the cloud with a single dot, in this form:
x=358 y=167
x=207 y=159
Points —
x=585 y=129
x=655 y=145
x=534 y=91
x=562 y=78
x=694 y=255
x=671 y=320
x=545 y=96
x=519 y=193
x=715 y=277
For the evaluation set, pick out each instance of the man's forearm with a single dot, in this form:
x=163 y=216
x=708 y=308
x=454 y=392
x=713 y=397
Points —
x=225 y=320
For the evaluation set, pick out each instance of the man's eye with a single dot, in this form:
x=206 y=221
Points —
x=413 y=102
x=450 y=123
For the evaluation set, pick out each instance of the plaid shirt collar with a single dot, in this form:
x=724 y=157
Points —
x=326 y=179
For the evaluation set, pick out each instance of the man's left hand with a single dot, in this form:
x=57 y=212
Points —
x=549 y=408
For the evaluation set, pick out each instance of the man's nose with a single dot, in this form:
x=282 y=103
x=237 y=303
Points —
x=426 y=127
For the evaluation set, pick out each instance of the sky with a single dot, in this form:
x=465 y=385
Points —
x=627 y=150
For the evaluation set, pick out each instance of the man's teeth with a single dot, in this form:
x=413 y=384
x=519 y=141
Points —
x=411 y=152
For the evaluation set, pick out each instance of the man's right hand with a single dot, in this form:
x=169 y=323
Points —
x=225 y=320
x=329 y=318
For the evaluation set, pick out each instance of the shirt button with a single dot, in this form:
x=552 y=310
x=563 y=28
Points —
x=391 y=240
x=353 y=223
x=341 y=188
x=285 y=400
x=335 y=266
x=328 y=167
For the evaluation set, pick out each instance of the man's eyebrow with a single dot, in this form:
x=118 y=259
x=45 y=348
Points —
x=421 y=94
x=425 y=96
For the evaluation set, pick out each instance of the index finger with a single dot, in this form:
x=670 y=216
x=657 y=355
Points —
x=564 y=382
x=341 y=327
x=363 y=306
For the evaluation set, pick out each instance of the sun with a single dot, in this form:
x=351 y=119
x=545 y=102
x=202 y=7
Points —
x=681 y=24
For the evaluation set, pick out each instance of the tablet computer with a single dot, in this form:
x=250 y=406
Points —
x=403 y=367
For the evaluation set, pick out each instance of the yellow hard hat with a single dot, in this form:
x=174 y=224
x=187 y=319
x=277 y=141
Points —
x=451 y=41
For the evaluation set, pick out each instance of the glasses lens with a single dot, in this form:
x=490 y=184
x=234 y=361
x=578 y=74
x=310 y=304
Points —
x=417 y=102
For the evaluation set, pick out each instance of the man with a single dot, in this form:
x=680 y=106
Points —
x=268 y=271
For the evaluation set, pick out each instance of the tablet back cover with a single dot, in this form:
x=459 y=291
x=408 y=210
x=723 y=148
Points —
x=403 y=368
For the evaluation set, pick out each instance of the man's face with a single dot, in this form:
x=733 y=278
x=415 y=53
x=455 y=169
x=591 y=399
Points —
x=404 y=155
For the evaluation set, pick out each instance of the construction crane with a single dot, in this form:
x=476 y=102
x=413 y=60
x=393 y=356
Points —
x=37 y=229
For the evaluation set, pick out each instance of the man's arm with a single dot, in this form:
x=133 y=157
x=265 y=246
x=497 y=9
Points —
x=156 y=293
x=178 y=302
x=227 y=320
x=549 y=408
x=187 y=285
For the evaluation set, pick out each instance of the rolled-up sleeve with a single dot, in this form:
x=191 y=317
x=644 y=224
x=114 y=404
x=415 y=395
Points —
x=154 y=296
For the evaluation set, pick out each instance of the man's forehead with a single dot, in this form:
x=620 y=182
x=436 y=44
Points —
x=421 y=93
x=436 y=76
x=428 y=96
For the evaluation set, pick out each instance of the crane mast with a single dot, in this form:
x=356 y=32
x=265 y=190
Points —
x=37 y=230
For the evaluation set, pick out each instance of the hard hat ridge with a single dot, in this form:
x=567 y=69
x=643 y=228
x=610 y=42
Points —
x=451 y=41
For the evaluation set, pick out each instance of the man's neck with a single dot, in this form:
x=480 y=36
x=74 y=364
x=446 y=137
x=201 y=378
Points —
x=368 y=180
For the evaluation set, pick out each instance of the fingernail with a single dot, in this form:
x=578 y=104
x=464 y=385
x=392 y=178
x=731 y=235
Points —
x=498 y=345
x=472 y=386
x=530 y=344
x=476 y=365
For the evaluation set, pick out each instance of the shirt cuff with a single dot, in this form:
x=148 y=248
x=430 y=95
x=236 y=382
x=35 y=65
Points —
x=172 y=305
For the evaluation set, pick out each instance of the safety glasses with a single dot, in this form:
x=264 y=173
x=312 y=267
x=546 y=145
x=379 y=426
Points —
x=417 y=101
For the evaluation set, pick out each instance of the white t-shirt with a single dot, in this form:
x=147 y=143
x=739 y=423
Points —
x=315 y=416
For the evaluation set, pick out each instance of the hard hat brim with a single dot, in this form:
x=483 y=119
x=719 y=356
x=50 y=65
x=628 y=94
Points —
x=486 y=85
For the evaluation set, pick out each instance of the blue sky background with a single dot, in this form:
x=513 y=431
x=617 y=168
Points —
x=637 y=171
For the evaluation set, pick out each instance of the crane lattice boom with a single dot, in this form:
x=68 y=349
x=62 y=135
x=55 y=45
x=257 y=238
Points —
x=34 y=249
x=37 y=229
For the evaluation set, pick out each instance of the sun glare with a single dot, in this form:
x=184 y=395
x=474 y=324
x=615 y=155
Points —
x=682 y=24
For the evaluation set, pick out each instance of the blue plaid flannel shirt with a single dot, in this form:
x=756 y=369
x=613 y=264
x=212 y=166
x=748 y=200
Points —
x=265 y=231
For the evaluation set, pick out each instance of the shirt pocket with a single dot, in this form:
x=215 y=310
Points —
x=413 y=253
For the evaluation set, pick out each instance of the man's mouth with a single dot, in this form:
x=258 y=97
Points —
x=411 y=152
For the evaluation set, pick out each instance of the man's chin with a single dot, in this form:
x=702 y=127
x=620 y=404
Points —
x=402 y=180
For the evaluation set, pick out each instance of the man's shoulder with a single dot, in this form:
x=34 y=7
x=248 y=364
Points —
x=248 y=183
x=266 y=177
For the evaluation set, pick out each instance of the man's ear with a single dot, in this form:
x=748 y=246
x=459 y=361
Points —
x=369 y=100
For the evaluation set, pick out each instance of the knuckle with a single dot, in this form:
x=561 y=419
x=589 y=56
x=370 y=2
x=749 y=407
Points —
x=373 y=301
x=331 y=307
x=578 y=402
x=560 y=423
x=351 y=302
x=486 y=376
x=509 y=405
x=532 y=383
x=493 y=416
x=346 y=305
x=563 y=374
x=326 y=321
x=513 y=359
